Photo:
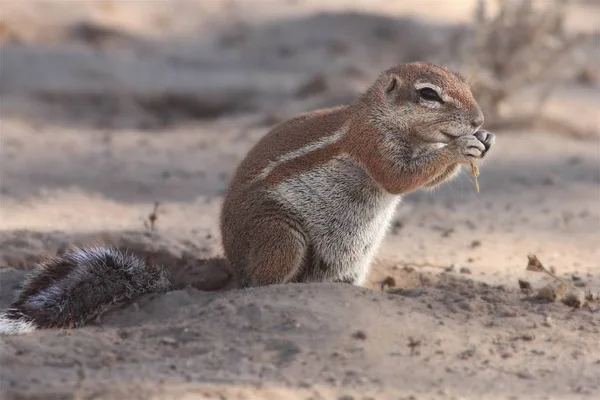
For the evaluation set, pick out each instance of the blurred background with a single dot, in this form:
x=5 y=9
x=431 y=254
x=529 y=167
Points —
x=110 y=106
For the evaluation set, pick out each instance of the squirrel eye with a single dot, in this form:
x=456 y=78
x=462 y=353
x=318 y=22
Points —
x=430 y=94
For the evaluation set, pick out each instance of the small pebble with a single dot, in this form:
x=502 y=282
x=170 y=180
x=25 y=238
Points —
x=525 y=286
x=465 y=270
x=359 y=335
x=168 y=340
x=468 y=306
x=525 y=375
x=467 y=354
x=389 y=282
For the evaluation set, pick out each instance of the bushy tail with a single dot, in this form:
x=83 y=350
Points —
x=70 y=290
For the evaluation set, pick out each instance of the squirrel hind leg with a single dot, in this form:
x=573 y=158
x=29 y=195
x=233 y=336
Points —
x=70 y=290
x=277 y=255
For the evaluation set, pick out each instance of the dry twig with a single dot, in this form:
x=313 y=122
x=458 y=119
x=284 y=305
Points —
x=150 y=223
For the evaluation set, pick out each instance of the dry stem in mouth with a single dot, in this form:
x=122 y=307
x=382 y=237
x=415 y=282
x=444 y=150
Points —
x=475 y=173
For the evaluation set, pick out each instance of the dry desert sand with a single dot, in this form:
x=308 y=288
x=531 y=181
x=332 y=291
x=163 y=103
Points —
x=108 y=107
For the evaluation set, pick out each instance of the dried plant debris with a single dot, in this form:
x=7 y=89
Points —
x=475 y=173
x=561 y=290
x=150 y=222
x=511 y=48
x=361 y=335
x=564 y=291
x=552 y=293
x=547 y=293
x=414 y=344
x=592 y=296
x=535 y=265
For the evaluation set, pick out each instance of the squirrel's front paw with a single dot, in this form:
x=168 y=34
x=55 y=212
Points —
x=487 y=138
x=466 y=149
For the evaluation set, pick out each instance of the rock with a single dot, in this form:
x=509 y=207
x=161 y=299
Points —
x=575 y=299
x=359 y=335
x=464 y=355
x=389 y=282
x=468 y=306
x=548 y=322
x=525 y=375
x=168 y=340
x=525 y=287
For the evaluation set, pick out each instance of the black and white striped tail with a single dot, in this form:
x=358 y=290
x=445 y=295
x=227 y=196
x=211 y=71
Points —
x=70 y=290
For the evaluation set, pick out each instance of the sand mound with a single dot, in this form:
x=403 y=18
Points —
x=311 y=339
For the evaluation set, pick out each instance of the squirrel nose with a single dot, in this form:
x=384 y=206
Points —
x=477 y=121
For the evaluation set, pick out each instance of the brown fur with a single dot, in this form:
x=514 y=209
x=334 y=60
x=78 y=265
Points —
x=448 y=174
x=263 y=239
x=288 y=136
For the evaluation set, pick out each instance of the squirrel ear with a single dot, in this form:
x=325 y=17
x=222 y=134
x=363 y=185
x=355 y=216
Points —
x=393 y=82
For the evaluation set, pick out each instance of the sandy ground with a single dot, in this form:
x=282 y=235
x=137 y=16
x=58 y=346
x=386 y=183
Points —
x=98 y=124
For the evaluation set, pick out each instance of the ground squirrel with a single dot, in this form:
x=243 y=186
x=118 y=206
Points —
x=310 y=202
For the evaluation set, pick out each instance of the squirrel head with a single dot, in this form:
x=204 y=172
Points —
x=422 y=102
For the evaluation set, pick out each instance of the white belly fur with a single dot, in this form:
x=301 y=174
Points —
x=345 y=212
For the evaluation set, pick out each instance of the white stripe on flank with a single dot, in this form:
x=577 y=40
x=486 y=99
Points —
x=316 y=145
